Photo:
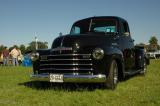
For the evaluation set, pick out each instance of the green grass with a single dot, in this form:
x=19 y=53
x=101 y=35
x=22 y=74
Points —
x=16 y=88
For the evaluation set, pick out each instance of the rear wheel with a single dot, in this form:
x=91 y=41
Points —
x=144 y=69
x=112 y=79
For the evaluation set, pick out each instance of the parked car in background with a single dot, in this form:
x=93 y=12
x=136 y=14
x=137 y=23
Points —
x=154 y=55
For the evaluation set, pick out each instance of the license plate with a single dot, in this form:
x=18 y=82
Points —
x=56 y=77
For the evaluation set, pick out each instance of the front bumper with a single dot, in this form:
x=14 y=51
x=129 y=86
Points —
x=82 y=78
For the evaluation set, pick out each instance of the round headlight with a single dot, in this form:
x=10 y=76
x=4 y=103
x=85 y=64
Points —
x=35 y=56
x=98 y=53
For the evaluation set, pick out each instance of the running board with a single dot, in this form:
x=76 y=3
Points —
x=132 y=72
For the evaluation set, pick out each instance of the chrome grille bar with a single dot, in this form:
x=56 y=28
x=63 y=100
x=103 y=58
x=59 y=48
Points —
x=74 y=69
x=66 y=64
x=70 y=55
x=67 y=59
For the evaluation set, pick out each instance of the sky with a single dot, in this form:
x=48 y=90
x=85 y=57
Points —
x=21 y=20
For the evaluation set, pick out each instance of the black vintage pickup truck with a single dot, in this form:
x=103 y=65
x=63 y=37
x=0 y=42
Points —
x=97 y=50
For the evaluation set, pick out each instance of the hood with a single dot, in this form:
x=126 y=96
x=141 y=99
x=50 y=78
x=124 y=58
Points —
x=83 y=42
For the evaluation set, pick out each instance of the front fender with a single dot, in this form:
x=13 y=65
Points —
x=115 y=53
x=37 y=62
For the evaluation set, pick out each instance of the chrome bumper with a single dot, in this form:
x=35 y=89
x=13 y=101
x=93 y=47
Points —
x=72 y=78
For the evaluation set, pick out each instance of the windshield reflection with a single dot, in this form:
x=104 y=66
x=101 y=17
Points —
x=94 y=25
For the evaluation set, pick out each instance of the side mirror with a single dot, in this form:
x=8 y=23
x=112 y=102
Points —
x=126 y=34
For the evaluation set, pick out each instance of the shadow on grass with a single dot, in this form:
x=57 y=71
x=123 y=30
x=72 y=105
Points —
x=132 y=76
x=39 y=85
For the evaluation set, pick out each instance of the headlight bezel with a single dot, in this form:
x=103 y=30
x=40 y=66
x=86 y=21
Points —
x=98 y=53
x=35 y=56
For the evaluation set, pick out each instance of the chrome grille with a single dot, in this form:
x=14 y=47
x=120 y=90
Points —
x=66 y=63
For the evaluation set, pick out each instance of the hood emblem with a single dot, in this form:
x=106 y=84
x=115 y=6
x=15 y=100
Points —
x=62 y=49
x=76 y=47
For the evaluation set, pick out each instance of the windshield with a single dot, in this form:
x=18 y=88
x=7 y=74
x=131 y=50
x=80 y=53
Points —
x=95 y=25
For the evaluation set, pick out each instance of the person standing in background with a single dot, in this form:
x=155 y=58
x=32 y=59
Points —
x=5 y=54
x=15 y=53
x=20 y=57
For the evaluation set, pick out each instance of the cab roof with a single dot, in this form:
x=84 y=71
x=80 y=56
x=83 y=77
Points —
x=102 y=17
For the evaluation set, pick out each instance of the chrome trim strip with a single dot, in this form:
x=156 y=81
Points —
x=79 y=78
x=62 y=41
x=72 y=69
x=67 y=60
x=43 y=60
x=70 y=55
x=66 y=64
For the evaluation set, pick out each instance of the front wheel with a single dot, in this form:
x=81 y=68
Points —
x=112 y=79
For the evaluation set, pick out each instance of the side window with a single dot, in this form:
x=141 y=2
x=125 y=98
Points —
x=75 y=30
x=124 y=27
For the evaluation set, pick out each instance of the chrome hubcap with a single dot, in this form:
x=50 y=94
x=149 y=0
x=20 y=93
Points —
x=144 y=67
x=115 y=74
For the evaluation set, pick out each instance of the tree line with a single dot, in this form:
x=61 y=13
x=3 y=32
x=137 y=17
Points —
x=151 y=47
x=31 y=47
x=153 y=44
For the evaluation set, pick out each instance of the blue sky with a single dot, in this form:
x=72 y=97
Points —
x=20 y=19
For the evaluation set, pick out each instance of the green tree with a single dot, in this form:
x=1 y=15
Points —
x=153 y=40
x=41 y=45
x=158 y=47
x=22 y=48
x=13 y=47
x=1 y=48
x=153 y=44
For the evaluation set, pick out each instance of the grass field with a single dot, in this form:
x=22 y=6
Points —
x=17 y=89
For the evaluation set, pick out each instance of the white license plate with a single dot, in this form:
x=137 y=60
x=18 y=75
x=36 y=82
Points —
x=56 y=77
